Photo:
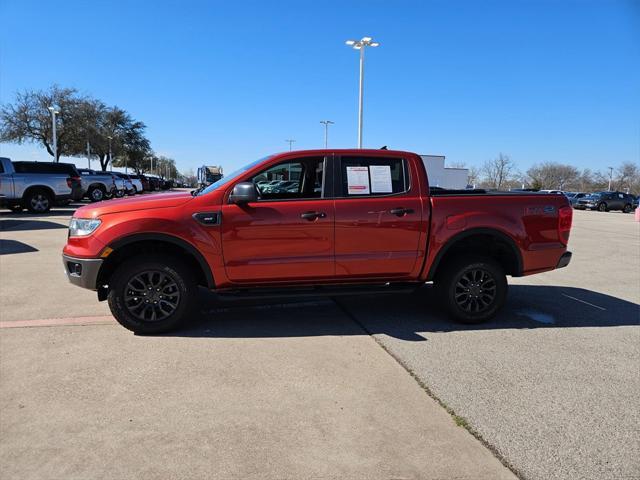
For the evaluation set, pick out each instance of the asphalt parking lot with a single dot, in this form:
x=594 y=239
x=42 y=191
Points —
x=324 y=389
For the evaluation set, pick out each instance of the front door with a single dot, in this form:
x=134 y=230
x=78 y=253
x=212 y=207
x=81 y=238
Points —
x=287 y=235
x=378 y=218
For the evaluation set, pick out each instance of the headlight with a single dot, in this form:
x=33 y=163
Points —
x=80 y=227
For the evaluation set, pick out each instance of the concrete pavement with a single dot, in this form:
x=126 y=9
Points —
x=552 y=383
x=264 y=391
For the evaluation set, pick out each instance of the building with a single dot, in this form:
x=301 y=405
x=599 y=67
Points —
x=444 y=177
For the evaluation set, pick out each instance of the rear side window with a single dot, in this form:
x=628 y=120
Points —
x=373 y=176
x=46 y=167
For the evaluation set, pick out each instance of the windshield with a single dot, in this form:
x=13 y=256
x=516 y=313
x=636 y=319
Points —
x=231 y=176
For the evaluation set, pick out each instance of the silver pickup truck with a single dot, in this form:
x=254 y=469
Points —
x=99 y=186
x=37 y=186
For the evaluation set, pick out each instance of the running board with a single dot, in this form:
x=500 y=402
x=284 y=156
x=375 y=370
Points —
x=318 y=291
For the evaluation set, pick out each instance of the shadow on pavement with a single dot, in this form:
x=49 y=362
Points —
x=16 y=225
x=8 y=247
x=406 y=316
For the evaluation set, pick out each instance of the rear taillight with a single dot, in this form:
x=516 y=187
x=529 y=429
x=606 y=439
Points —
x=565 y=217
x=71 y=180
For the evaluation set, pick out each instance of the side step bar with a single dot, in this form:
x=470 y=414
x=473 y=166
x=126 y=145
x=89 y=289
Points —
x=318 y=291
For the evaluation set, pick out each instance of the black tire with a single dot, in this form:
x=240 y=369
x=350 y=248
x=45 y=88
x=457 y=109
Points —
x=472 y=288
x=627 y=208
x=38 y=200
x=96 y=194
x=119 y=194
x=166 y=308
x=602 y=207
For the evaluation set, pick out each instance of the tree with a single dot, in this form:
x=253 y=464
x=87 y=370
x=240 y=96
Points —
x=552 y=175
x=627 y=178
x=28 y=119
x=498 y=172
x=474 y=175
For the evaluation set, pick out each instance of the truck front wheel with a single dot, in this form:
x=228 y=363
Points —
x=472 y=288
x=151 y=294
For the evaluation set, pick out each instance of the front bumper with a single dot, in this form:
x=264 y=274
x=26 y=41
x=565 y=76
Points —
x=82 y=272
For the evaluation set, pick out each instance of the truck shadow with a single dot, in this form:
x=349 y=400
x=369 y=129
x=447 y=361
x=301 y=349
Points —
x=16 y=225
x=409 y=317
x=9 y=247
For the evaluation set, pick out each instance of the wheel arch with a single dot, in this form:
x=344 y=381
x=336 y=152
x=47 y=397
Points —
x=484 y=241
x=46 y=188
x=128 y=246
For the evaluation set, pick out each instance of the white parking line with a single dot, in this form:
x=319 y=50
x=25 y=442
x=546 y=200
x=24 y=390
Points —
x=582 y=301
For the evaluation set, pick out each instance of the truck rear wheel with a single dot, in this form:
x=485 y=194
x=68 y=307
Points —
x=151 y=294
x=96 y=194
x=472 y=288
x=38 y=201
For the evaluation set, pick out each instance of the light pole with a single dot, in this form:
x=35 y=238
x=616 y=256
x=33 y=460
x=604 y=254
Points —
x=326 y=124
x=110 y=157
x=54 y=112
x=290 y=142
x=361 y=45
x=610 y=177
x=88 y=154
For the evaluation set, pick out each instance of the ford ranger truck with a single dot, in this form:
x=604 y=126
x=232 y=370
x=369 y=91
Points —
x=342 y=222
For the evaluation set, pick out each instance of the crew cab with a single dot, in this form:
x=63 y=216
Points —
x=360 y=221
x=37 y=186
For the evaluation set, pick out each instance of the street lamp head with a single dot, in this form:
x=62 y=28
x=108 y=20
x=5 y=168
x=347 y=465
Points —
x=366 y=39
x=374 y=44
x=53 y=110
x=350 y=42
x=364 y=42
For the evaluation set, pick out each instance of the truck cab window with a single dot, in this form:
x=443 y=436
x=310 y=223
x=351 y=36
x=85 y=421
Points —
x=373 y=176
x=296 y=179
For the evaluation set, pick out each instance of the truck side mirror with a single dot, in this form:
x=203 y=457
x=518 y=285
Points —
x=243 y=192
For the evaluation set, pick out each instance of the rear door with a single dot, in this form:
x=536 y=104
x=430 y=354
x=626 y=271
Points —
x=378 y=217
x=288 y=235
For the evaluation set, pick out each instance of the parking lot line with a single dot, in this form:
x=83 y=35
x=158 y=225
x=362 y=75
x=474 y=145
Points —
x=582 y=301
x=56 y=322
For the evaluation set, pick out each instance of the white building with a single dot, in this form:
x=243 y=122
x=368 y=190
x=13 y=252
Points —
x=444 y=177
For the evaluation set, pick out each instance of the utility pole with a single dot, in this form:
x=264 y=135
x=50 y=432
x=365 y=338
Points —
x=361 y=45
x=54 y=112
x=88 y=154
x=290 y=142
x=610 y=176
x=110 y=156
x=326 y=124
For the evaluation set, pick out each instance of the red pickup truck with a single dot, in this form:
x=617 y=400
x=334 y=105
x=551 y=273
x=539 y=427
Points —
x=317 y=222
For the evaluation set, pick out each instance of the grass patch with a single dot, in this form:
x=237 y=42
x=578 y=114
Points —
x=461 y=421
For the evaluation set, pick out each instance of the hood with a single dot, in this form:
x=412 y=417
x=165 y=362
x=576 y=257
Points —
x=139 y=202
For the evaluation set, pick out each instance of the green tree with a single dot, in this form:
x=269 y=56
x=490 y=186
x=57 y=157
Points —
x=28 y=119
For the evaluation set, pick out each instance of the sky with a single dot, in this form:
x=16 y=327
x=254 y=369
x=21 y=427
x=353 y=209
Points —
x=224 y=83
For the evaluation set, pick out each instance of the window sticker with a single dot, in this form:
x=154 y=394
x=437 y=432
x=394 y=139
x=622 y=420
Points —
x=381 y=179
x=357 y=180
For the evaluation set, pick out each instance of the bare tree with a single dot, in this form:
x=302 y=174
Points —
x=552 y=175
x=498 y=172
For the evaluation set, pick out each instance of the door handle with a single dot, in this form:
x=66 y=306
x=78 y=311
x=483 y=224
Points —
x=312 y=215
x=400 y=212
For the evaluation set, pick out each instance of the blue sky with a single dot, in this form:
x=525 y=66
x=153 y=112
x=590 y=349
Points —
x=228 y=82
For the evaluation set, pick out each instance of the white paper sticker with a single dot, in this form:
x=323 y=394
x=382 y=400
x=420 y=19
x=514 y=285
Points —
x=357 y=180
x=381 y=179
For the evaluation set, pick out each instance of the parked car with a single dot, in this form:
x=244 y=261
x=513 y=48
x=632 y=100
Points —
x=363 y=221
x=575 y=196
x=555 y=192
x=98 y=186
x=154 y=183
x=144 y=182
x=37 y=186
x=128 y=183
x=605 y=201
